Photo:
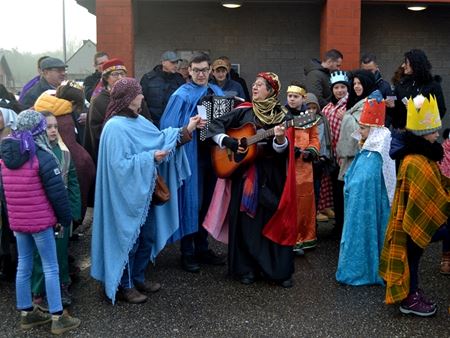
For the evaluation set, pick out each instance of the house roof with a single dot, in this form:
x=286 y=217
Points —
x=5 y=66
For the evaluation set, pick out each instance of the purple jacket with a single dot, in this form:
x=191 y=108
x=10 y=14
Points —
x=35 y=195
x=28 y=86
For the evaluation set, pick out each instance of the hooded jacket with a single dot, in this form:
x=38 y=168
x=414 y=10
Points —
x=34 y=191
x=318 y=82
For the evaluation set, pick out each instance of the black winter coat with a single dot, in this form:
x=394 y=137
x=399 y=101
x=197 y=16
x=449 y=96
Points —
x=157 y=87
x=409 y=88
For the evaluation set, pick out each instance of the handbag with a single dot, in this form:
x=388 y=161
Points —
x=161 y=194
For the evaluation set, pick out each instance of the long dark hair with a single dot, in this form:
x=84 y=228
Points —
x=420 y=65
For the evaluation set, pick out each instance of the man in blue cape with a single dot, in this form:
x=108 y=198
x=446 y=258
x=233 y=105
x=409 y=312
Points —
x=195 y=195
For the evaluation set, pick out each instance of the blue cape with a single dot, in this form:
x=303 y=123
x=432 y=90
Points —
x=366 y=210
x=182 y=105
x=125 y=182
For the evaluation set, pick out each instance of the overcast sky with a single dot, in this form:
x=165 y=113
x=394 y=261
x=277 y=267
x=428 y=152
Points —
x=37 y=25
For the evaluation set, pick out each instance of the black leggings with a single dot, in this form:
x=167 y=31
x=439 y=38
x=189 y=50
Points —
x=415 y=253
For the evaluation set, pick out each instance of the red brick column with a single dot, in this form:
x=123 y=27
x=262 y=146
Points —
x=115 y=30
x=341 y=29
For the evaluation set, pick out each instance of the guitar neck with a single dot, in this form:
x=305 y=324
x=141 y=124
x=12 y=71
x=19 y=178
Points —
x=266 y=133
x=260 y=136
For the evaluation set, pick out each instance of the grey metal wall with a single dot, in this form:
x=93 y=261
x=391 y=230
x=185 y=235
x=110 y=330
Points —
x=390 y=31
x=279 y=38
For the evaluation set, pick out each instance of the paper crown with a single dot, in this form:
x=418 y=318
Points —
x=423 y=115
x=339 y=76
x=373 y=113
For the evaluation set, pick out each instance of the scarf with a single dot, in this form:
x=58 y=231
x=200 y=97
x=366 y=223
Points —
x=379 y=140
x=250 y=192
x=31 y=132
x=269 y=111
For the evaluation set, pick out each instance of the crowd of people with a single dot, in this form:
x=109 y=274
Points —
x=254 y=170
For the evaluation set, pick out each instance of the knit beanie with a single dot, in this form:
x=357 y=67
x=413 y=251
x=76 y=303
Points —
x=311 y=98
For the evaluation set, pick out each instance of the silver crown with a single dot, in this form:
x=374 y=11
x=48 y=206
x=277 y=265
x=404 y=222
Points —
x=338 y=76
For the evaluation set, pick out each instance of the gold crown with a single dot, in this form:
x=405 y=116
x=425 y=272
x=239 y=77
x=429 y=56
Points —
x=424 y=120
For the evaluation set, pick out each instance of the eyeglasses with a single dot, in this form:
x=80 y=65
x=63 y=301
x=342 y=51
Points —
x=198 y=71
x=258 y=84
x=118 y=73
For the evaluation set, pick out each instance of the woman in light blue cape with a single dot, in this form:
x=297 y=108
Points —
x=128 y=230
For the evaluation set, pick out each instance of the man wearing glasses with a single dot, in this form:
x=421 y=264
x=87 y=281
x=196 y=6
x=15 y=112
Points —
x=92 y=80
x=195 y=195
x=53 y=73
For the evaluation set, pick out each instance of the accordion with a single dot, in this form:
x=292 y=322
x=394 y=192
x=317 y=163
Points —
x=216 y=106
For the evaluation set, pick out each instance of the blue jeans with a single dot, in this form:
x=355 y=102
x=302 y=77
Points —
x=44 y=241
x=139 y=255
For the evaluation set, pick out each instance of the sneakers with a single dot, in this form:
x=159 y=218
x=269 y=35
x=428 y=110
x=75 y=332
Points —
x=321 y=217
x=328 y=212
x=63 y=323
x=445 y=263
x=147 y=286
x=287 y=283
x=416 y=304
x=298 y=249
x=248 y=278
x=131 y=296
x=190 y=263
x=30 y=319
x=210 y=257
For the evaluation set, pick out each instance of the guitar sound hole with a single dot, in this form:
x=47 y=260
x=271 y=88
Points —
x=239 y=157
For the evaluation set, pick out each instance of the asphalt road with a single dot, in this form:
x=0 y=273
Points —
x=210 y=304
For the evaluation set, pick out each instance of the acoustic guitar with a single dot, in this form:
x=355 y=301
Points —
x=225 y=161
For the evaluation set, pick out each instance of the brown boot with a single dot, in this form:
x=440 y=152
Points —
x=131 y=295
x=147 y=286
x=445 y=263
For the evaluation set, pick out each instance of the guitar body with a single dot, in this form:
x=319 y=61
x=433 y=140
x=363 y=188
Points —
x=224 y=161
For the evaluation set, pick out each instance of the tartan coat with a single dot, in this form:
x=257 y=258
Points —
x=421 y=205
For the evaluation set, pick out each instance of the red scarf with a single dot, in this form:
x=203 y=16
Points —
x=282 y=227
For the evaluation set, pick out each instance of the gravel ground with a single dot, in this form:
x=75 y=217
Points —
x=210 y=304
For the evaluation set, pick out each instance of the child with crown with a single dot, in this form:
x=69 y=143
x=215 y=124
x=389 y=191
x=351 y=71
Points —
x=307 y=146
x=420 y=209
x=368 y=192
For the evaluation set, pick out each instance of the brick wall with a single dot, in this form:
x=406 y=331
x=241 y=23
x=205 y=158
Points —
x=398 y=30
x=279 y=38
x=115 y=30
x=340 y=28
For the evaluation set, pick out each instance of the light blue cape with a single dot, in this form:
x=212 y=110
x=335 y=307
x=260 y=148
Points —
x=366 y=210
x=125 y=182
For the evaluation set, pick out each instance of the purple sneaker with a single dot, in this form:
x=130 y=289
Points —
x=415 y=304
x=425 y=299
